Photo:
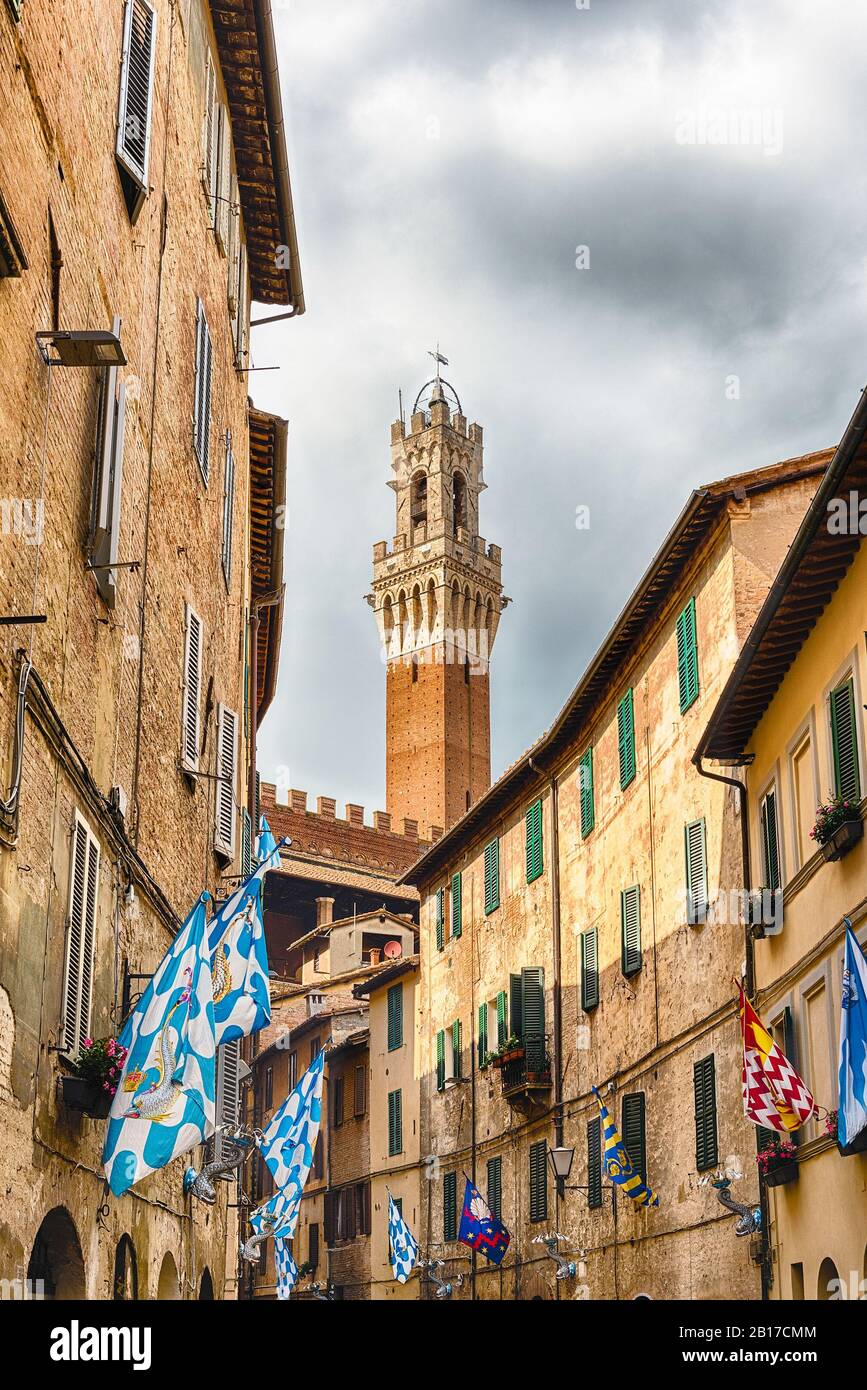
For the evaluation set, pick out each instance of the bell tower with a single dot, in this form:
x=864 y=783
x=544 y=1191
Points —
x=437 y=597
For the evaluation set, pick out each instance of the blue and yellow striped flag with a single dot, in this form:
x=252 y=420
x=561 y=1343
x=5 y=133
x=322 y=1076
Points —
x=618 y=1164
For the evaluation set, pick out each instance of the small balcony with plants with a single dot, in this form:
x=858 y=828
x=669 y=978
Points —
x=524 y=1064
x=90 y=1084
x=777 y=1161
x=838 y=827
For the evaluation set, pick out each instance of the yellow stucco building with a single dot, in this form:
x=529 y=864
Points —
x=793 y=712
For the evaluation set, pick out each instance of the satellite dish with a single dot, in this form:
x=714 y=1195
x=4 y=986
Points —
x=392 y=949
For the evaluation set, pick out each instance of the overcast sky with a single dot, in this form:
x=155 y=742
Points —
x=448 y=157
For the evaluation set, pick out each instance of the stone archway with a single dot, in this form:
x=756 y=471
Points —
x=56 y=1261
x=206 y=1288
x=125 y=1282
x=829 y=1281
x=169 y=1285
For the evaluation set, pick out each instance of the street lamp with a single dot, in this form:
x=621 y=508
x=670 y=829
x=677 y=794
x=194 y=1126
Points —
x=561 y=1163
x=91 y=347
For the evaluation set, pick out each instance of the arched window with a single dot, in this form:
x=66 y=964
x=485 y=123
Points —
x=829 y=1282
x=459 y=502
x=56 y=1267
x=125 y=1283
x=206 y=1288
x=169 y=1286
x=418 y=498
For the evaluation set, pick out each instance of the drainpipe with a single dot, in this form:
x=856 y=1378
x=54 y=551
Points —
x=749 y=976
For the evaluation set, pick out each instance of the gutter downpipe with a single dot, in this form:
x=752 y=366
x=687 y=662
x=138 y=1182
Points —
x=555 y=945
x=749 y=977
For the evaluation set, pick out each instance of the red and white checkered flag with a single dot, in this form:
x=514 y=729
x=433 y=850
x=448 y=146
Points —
x=775 y=1096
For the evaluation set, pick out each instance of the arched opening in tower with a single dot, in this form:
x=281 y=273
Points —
x=418 y=498
x=459 y=502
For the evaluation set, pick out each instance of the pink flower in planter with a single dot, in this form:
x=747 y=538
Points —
x=88 y=1042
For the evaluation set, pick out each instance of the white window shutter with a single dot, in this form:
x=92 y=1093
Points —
x=228 y=1095
x=135 y=106
x=80 y=937
x=209 y=134
x=242 y=324
x=193 y=641
x=224 y=179
x=696 y=872
x=228 y=508
x=233 y=252
x=202 y=393
x=227 y=765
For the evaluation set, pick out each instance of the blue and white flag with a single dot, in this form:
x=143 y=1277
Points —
x=402 y=1244
x=852 y=1113
x=239 y=952
x=276 y=1217
x=267 y=851
x=288 y=1142
x=164 y=1102
x=287 y=1269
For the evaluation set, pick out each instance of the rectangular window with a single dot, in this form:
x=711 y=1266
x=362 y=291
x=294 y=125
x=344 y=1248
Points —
x=589 y=969
x=338 y=1101
x=495 y=1187
x=770 y=841
x=395 y=1123
x=533 y=1018
x=80 y=937
x=695 y=846
x=539 y=1181
x=315 y=1048
x=441 y=918
x=630 y=930
x=482 y=1040
x=456 y=1049
x=450 y=1206
x=626 y=739
x=594 y=1162
x=704 y=1085
x=192 y=689
x=362 y=1208
x=293 y=1070
x=360 y=1105
x=269 y=1087
x=395 y=1017
x=108 y=480
x=502 y=1018
x=492 y=876
x=844 y=741
x=687 y=657
x=228 y=509
x=534 y=841
x=633 y=1132
x=135 y=102
x=441 y=1060
x=585 y=779
x=204 y=368
x=457 y=896
x=313 y=1246
x=225 y=815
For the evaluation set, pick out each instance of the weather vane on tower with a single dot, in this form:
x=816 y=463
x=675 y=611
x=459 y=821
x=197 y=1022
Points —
x=439 y=359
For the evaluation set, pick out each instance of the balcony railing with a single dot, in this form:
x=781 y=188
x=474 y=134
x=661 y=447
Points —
x=526 y=1075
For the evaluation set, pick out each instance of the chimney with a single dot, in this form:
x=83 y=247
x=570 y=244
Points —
x=324 y=912
x=375 y=955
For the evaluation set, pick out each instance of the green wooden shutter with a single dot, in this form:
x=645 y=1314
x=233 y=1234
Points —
x=441 y=1060
x=588 y=809
x=594 y=1162
x=395 y=1122
x=502 y=1021
x=483 y=1036
x=441 y=918
x=456 y=1048
x=687 y=657
x=457 y=896
x=630 y=929
x=704 y=1085
x=589 y=969
x=633 y=1132
x=516 y=1026
x=770 y=842
x=534 y=841
x=539 y=1181
x=626 y=739
x=533 y=1016
x=492 y=876
x=450 y=1206
x=695 y=845
x=495 y=1187
x=844 y=738
x=395 y=1017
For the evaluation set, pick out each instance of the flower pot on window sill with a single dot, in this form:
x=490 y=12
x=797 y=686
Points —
x=843 y=839
x=87 y=1097
x=781 y=1171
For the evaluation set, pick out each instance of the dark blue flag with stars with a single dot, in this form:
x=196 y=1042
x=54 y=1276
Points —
x=480 y=1230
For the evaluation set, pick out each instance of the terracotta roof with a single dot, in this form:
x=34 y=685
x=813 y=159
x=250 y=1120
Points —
x=392 y=971
x=817 y=560
x=379 y=914
x=248 y=60
x=703 y=511
x=268 y=434
x=294 y=866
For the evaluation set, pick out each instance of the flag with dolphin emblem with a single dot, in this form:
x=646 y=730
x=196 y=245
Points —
x=775 y=1096
x=239 y=962
x=402 y=1244
x=164 y=1102
x=852 y=1114
x=618 y=1164
x=287 y=1269
x=267 y=849
x=288 y=1142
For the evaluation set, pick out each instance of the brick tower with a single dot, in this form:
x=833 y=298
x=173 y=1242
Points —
x=437 y=597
